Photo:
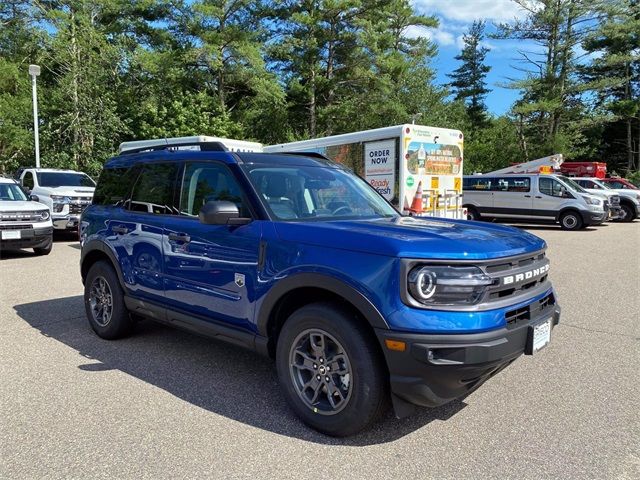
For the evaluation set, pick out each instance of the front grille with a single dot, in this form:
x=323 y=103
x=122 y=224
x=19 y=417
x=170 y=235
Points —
x=20 y=217
x=14 y=227
x=77 y=208
x=513 y=276
x=605 y=204
x=532 y=310
x=615 y=200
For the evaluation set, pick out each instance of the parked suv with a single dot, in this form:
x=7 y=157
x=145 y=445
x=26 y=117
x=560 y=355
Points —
x=66 y=192
x=298 y=258
x=629 y=200
x=538 y=198
x=23 y=223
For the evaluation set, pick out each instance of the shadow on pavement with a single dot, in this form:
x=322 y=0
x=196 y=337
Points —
x=210 y=374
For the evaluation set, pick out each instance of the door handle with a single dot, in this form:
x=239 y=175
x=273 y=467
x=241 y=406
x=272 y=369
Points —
x=527 y=196
x=120 y=229
x=180 y=237
x=538 y=196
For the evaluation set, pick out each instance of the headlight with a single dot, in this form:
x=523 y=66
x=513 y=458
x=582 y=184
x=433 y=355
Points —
x=60 y=199
x=593 y=201
x=444 y=285
x=44 y=215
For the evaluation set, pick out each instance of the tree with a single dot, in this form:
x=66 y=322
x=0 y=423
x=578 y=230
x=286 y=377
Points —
x=613 y=75
x=469 y=83
x=550 y=109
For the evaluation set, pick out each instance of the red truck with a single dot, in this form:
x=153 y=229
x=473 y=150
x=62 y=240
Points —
x=584 y=169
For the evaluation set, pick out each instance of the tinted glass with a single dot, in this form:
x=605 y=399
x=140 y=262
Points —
x=153 y=191
x=27 y=180
x=511 y=184
x=205 y=182
x=573 y=185
x=316 y=193
x=113 y=187
x=64 y=179
x=477 y=184
x=550 y=186
x=10 y=191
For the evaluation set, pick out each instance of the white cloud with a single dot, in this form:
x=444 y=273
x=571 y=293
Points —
x=439 y=35
x=470 y=10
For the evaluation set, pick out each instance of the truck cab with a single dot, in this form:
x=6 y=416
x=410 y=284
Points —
x=66 y=192
x=628 y=200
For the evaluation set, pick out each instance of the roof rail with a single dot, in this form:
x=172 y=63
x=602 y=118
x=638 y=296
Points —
x=309 y=154
x=204 y=147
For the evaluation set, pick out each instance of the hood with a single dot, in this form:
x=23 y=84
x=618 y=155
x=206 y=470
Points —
x=412 y=237
x=68 y=191
x=21 y=206
x=601 y=193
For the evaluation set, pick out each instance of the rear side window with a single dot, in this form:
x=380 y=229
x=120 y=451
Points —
x=153 y=190
x=511 y=184
x=113 y=187
x=482 y=184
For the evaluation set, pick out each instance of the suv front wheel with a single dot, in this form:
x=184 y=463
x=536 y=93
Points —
x=331 y=370
x=104 y=303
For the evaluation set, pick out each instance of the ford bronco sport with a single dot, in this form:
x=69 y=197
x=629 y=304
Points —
x=298 y=258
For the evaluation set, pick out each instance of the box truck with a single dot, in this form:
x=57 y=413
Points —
x=417 y=168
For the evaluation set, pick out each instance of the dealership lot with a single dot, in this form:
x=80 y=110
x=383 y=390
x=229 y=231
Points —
x=169 y=404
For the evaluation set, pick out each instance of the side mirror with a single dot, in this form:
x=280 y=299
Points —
x=34 y=198
x=221 y=213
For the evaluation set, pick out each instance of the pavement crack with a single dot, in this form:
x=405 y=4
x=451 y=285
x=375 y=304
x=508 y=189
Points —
x=594 y=330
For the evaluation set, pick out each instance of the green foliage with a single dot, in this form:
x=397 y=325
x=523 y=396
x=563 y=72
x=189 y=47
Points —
x=282 y=70
x=468 y=80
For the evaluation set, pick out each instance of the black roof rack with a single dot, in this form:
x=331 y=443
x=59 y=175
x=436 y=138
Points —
x=204 y=147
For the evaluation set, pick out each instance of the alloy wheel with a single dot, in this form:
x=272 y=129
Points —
x=321 y=371
x=101 y=301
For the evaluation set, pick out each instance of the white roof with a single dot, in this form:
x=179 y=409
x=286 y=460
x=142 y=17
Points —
x=231 y=144
x=345 y=138
x=51 y=170
x=7 y=180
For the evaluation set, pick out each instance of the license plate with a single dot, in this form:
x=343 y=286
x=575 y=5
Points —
x=11 y=234
x=541 y=336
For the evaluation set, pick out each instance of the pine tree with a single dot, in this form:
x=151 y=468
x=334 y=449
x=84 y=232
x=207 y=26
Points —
x=469 y=83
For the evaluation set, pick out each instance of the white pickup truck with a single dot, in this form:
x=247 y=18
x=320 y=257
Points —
x=66 y=192
x=23 y=223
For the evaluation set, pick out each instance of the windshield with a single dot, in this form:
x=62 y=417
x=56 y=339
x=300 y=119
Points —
x=64 y=179
x=602 y=185
x=316 y=193
x=573 y=185
x=10 y=191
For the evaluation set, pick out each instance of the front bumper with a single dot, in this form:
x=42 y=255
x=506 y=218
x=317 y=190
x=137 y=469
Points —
x=435 y=369
x=66 y=222
x=593 y=218
x=29 y=238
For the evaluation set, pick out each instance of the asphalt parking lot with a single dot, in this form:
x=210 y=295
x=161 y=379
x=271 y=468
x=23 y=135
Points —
x=167 y=404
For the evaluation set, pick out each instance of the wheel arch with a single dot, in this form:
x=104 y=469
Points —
x=569 y=209
x=95 y=251
x=298 y=290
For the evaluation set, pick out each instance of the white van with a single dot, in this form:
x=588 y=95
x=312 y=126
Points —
x=538 y=198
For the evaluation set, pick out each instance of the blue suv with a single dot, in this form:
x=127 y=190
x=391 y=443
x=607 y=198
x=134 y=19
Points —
x=298 y=258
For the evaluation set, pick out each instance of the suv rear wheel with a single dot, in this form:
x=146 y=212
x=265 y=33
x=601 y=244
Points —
x=570 y=221
x=330 y=370
x=104 y=303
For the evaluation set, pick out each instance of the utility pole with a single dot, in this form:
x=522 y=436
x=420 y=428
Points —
x=34 y=71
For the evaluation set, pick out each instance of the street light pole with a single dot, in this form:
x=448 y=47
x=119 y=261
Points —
x=34 y=71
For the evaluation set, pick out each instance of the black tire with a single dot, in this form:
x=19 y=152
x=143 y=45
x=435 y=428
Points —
x=117 y=323
x=44 y=250
x=472 y=214
x=364 y=390
x=571 y=220
x=629 y=213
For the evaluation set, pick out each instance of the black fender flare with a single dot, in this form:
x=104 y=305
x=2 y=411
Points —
x=98 y=245
x=316 y=280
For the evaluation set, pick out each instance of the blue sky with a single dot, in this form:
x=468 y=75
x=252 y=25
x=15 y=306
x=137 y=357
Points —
x=455 y=17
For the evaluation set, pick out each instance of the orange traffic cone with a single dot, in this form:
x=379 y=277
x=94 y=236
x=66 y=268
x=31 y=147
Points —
x=416 y=205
